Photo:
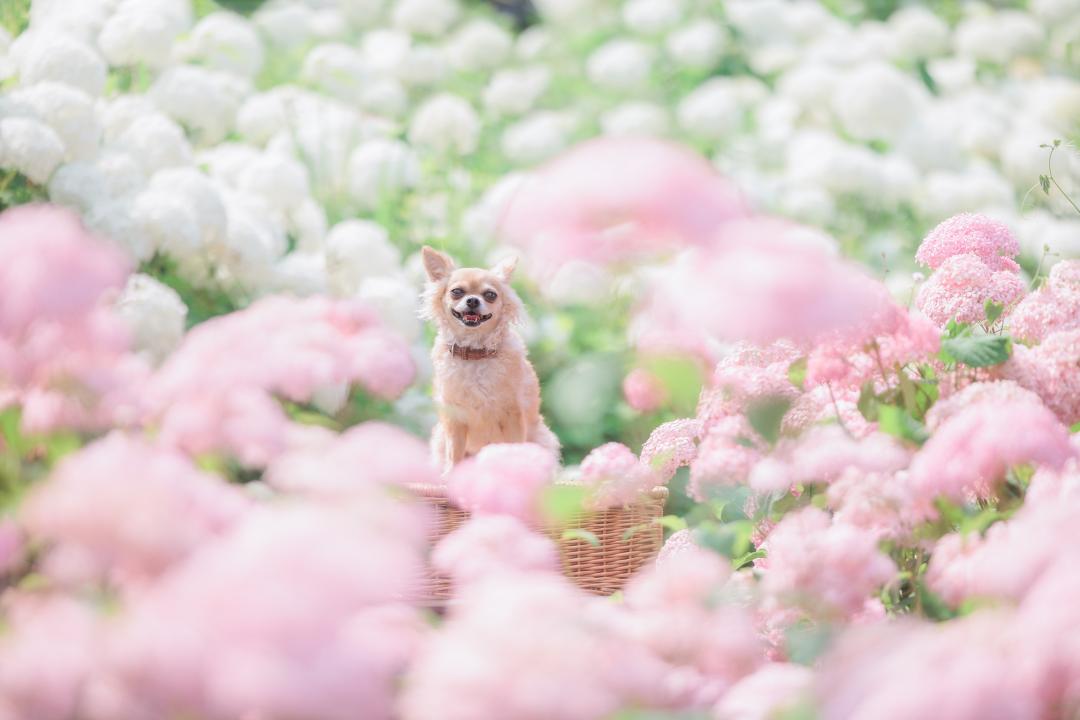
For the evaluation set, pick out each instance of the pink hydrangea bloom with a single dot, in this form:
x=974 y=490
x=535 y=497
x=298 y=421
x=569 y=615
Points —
x=913 y=339
x=767 y=693
x=678 y=542
x=725 y=456
x=610 y=201
x=671 y=446
x=615 y=476
x=490 y=544
x=570 y=656
x=215 y=392
x=961 y=287
x=828 y=568
x=643 y=391
x=746 y=374
x=880 y=503
x=130 y=510
x=1052 y=370
x=998 y=391
x=824 y=453
x=298 y=612
x=822 y=404
x=968 y=234
x=370 y=453
x=503 y=478
x=970 y=452
x=1055 y=307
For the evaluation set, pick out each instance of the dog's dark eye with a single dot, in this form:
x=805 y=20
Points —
x=490 y=296
x=457 y=292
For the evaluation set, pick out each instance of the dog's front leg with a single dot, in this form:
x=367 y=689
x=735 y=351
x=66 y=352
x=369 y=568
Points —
x=456 y=439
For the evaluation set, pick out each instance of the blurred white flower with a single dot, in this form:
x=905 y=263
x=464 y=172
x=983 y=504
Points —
x=330 y=399
x=68 y=111
x=515 y=92
x=423 y=66
x=299 y=273
x=1040 y=229
x=328 y=24
x=203 y=197
x=281 y=181
x=156 y=315
x=445 y=123
x=713 y=111
x=117 y=114
x=355 y=250
x=385 y=49
x=998 y=37
x=579 y=283
x=113 y=219
x=395 y=301
x=620 y=65
x=952 y=75
x=286 y=25
x=978 y=189
x=636 y=118
x=480 y=222
x=205 y=101
x=567 y=12
x=31 y=147
x=697 y=45
x=917 y=33
x=361 y=13
x=650 y=17
x=141 y=32
x=384 y=96
x=426 y=17
x=224 y=41
x=876 y=102
x=43 y=56
x=379 y=170
x=167 y=222
x=122 y=175
x=155 y=142
x=307 y=223
x=479 y=45
x=337 y=70
x=1052 y=11
x=77 y=185
x=262 y=116
x=254 y=241
x=536 y=137
x=532 y=43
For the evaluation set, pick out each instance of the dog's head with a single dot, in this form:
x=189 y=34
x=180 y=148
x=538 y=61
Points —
x=469 y=303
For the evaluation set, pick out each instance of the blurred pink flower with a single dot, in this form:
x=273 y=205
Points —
x=880 y=503
x=746 y=374
x=824 y=453
x=997 y=392
x=215 y=392
x=1051 y=370
x=615 y=476
x=611 y=201
x=679 y=542
x=912 y=339
x=671 y=446
x=1053 y=308
x=12 y=546
x=298 y=612
x=503 y=478
x=767 y=693
x=725 y=456
x=643 y=391
x=968 y=234
x=490 y=544
x=969 y=453
x=827 y=568
x=960 y=288
x=129 y=510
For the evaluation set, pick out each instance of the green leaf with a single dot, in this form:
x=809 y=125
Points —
x=796 y=372
x=977 y=350
x=868 y=402
x=582 y=534
x=1075 y=428
x=993 y=310
x=766 y=416
x=1044 y=183
x=744 y=560
x=806 y=642
x=731 y=540
x=955 y=329
x=674 y=523
x=561 y=503
x=898 y=422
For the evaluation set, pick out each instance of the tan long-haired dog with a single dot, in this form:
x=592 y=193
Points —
x=485 y=388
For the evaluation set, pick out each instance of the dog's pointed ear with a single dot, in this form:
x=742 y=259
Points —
x=505 y=268
x=437 y=265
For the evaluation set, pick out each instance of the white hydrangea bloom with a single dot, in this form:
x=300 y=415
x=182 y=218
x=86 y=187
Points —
x=1039 y=228
x=426 y=17
x=203 y=100
x=918 y=33
x=515 y=92
x=114 y=219
x=5 y=40
x=224 y=41
x=394 y=300
x=1000 y=37
x=262 y=116
x=336 y=69
x=533 y=43
x=358 y=249
x=811 y=86
x=876 y=102
x=156 y=315
x=67 y=110
x=329 y=24
x=31 y=147
x=636 y=118
x=712 y=111
x=570 y=12
x=1054 y=11
x=167 y=221
x=281 y=181
x=362 y=13
x=203 y=197
x=479 y=45
x=123 y=176
x=978 y=189
x=480 y=222
x=307 y=223
x=537 y=137
x=155 y=142
x=1054 y=102
x=141 y=33
x=385 y=97
x=650 y=17
x=385 y=50
x=77 y=185
x=43 y=56
x=380 y=169
x=299 y=273
x=286 y=25
x=446 y=123
x=425 y=65
x=254 y=241
x=579 y=283
x=697 y=45
x=117 y=115
x=227 y=161
x=620 y=65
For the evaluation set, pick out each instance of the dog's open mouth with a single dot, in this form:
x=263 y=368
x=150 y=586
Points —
x=471 y=319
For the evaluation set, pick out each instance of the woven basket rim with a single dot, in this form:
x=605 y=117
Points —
x=438 y=491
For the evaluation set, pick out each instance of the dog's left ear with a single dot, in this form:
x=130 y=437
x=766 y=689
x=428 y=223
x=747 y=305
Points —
x=505 y=268
x=437 y=265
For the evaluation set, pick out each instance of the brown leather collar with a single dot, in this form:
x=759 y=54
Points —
x=467 y=353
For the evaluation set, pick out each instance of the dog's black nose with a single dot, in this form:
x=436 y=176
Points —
x=473 y=302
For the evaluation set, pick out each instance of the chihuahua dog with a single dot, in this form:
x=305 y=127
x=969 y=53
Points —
x=485 y=388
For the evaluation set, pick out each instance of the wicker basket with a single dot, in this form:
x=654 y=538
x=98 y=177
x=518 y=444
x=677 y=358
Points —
x=601 y=570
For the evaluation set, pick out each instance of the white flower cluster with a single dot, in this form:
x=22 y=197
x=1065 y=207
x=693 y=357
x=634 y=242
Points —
x=314 y=146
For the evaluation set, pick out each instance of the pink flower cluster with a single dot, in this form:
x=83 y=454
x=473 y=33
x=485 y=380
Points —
x=614 y=476
x=505 y=479
x=1053 y=308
